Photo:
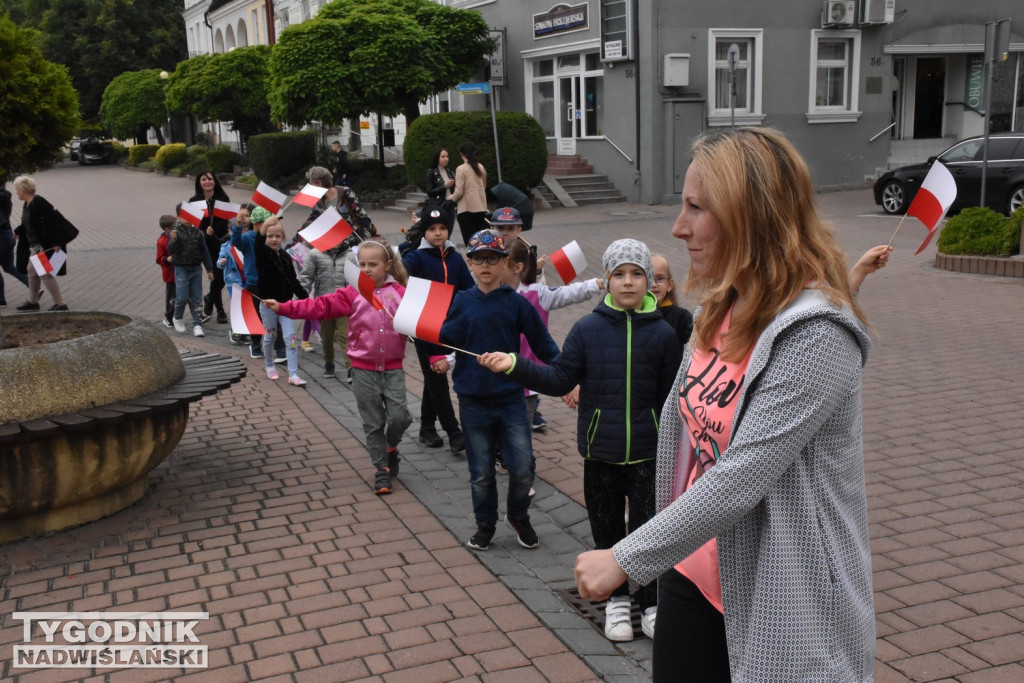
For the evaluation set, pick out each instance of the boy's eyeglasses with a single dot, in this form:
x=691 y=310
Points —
x=491 y=259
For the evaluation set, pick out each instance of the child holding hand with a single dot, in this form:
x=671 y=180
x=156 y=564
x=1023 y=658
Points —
x=375 y=350
x=277 y=282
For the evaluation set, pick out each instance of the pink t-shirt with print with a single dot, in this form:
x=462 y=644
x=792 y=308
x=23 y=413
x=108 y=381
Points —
x=707 y=405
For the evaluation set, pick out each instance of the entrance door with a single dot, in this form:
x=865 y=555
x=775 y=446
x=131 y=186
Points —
x=929 y=96
x=569 y=115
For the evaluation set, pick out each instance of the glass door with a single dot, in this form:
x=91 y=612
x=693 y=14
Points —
x=569 y=114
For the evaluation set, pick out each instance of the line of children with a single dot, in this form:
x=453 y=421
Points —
x=624 y=357
x=166 y=267
x=277 y=281
x=491 y=317
x=376 y=351
x=434 y=257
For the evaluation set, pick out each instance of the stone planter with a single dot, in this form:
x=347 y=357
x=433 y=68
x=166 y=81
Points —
x=86 y=419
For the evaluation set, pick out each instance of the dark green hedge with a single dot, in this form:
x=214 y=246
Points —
x=139 y=153
x=979 y=231
x=521 y=145
x=276 y=157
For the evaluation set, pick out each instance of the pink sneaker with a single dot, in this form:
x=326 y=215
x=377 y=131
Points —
x=272 y=372
x=296 y=381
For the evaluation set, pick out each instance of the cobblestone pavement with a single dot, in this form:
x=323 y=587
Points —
x=263 y=515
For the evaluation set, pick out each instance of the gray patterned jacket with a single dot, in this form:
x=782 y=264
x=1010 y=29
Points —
x=786 y=502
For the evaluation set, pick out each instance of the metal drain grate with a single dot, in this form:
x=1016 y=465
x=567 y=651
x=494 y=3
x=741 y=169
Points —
x=593 y=612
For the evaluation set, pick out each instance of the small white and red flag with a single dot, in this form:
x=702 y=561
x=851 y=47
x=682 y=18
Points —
x=239 y=260
x=569 y=261
x=423 y=309
x=190 y=213
x=328 y=230
x=269 y=198
x=309 y=195
x=226 y=210
x=933 y=200
x=48 y=265
x=244 y=318
x=362 y=283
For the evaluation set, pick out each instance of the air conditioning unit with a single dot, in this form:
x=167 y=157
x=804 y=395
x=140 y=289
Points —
x=878 y=11
x=838 y=13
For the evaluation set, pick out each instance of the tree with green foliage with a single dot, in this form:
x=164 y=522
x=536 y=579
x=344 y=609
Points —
x=38 y=106
x=99 y=39
x=228 y=86
x=132 y=103
x=382 y=56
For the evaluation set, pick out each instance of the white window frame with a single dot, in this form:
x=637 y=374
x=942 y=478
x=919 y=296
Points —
x=580 y=49
x=752 y=115
x=849 y=112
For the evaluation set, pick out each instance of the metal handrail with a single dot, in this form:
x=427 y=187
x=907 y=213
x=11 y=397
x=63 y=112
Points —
x=879 y=134
x=618 y=149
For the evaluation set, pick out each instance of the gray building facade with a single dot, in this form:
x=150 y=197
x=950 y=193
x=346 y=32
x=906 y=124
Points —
x=856 y=84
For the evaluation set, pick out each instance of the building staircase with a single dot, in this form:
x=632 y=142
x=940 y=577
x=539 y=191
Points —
x=571 y=181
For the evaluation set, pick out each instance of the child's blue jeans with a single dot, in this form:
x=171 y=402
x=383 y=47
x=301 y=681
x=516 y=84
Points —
x=487 y=423
x=188 y=289
x=270 y=321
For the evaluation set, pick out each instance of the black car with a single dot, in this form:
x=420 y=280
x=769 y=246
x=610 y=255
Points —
x=93 y=152
x=1004 y=181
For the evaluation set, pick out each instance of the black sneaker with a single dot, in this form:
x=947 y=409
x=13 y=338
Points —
x=27 y=307
x=382 y=481
x=393 y=460
x=482 y=538
x=204 y=318
x=58 y=307
x=431 y=439
x=457 y=442
x=538 y=421
x=329 y=370
x=255 y=353
x=222 y=318
x=525 y=534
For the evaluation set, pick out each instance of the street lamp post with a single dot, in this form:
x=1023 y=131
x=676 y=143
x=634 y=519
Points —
x=170 y=133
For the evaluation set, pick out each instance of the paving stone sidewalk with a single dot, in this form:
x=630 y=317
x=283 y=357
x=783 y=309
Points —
x=263 y=515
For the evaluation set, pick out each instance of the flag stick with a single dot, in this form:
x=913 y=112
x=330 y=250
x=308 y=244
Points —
x=897 y=230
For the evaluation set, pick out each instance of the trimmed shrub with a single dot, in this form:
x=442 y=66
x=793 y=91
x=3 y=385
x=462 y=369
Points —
x=171 y=155
x=522 y=146
x=139 y=153
x=276 y=157
x=980 y=231
x=117 y=151
x=221 y=158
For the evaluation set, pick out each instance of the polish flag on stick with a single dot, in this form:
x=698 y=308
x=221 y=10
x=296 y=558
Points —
x=569 y=261
x=190 y=213
x=363 y=284
x=423 y=309
x=48 y=265
x=239 y=261
x=269 y=198
x=329 y=230
x=932 y=201
x=244 y=318
x=226 y=210
x=309 y=195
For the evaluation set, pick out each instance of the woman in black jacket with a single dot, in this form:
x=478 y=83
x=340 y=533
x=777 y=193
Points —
x=43 y=230
x=209 y=190
x=440 y=183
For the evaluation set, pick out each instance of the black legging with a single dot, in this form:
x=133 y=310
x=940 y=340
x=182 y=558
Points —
x=471 y=222
x=437 y=401
x=689 y=639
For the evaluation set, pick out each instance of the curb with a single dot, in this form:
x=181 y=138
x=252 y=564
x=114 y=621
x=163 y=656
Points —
x=981 y=265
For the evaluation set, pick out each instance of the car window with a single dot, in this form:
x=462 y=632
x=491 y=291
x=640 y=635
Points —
x=969 y=150
x=1005 y=148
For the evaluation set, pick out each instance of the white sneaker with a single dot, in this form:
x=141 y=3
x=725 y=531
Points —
x=647 y=621
x=179 y=324
x=617 y=625
x=197 y=331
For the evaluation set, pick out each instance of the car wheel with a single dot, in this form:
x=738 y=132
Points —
x=1016 y=198
x=894 y=197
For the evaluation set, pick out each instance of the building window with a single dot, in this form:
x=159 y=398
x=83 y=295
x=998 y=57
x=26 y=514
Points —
x=566 y=94
x=747 y=103
x=255 y=27
x=834 y=74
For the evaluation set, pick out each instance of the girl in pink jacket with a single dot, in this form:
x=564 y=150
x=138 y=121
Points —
x=377 y=353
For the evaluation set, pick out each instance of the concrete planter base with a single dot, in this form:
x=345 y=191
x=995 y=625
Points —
x=982 y=265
